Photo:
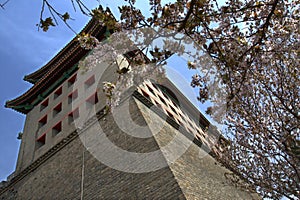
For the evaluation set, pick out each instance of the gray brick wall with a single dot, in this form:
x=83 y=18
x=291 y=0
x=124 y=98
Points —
x=59 y=177
x=192 y=176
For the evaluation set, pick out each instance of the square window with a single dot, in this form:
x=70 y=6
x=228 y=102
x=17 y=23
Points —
x=44 y=104
x=158 y=104
x=145 y=93
x=57 y=109
x=72 y=80
x=200 y=133
x=166 y=97
x=92 y=100
x=56 y=129
x=170 y=115
x=153 y=84
x=162 y=100
x=41 y=141
x=198 y=138
x=150 y=89
x=43 y=121
x=174 y=104
x=173 y=109
x=88 y=83
x=72 y=96
x=73 y=115
x=57 y=93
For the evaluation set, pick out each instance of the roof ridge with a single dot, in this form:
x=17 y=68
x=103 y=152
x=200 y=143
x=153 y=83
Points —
x=38 y=74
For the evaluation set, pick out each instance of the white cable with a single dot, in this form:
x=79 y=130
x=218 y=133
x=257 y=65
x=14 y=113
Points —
x=82 y=174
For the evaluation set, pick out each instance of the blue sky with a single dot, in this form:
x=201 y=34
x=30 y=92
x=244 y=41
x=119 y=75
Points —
x=24 y=50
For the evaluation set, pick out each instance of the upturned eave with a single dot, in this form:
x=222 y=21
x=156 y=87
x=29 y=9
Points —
x=57 y=68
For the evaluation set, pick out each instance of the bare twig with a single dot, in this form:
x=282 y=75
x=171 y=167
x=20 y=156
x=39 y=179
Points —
x=3 y=4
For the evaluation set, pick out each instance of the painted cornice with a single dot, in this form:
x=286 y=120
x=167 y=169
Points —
x=55 y=71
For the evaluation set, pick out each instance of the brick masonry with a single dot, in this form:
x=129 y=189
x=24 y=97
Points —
x=189 y=177
x=198 y=174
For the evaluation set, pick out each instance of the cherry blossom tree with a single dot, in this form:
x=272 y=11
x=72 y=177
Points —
x=255 y=48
